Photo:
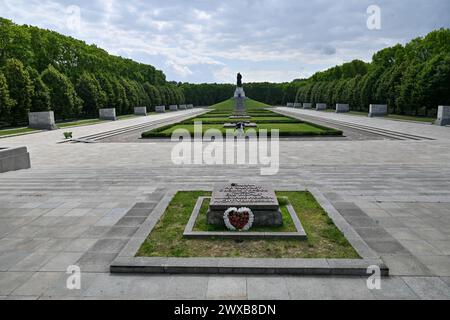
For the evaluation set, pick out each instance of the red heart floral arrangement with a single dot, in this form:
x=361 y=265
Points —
x=240 y=220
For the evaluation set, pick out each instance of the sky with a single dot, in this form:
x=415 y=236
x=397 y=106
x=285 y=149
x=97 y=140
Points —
x=211 y=41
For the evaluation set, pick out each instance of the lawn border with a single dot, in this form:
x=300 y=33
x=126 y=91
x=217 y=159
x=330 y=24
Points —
x=127 y=262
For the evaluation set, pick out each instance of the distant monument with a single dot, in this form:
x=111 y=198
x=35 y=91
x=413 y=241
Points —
x=239 y=96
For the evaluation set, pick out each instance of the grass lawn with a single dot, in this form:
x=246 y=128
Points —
x=275 y=119
x=324 y=238
x=285 y=129
x=229 y=105
x=7 y=132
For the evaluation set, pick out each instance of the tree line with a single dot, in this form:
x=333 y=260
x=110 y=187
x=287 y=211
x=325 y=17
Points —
x=412 y=80
x=42 y=70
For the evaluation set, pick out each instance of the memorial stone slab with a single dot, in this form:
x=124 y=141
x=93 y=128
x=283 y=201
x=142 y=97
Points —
x=108 y=114
x=160 y=109
x=378 y=110
x=443 y=116
x=140 y=111
x=42 y=120
x=342 y=108
x=261 y=199
x=321 y=106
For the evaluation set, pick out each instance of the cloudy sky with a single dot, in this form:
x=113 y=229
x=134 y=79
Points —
x=211 y=40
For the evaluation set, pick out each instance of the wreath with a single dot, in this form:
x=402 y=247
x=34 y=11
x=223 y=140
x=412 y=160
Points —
x=238 y=219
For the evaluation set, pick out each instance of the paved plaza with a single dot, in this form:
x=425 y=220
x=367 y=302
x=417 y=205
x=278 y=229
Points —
x=65 y=209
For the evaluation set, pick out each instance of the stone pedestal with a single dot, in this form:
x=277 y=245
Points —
x=342 y=108
x=443 y=118
x=160 y=109
x=12 y=159
x=108 y=114
x=140 y=111
x=173 y=108
x=321 y=106
x=297 y=105
x=290 y=105
x=307 y=106
x=42 y=120
x=378 y=110
x=258 y=198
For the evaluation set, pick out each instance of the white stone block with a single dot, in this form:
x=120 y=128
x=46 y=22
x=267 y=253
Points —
x=290 y=104
x=307 y=106
x=297 y=105
x=342 y=108
x=321 y=106
x=108 y=114
x=183 y=107
x=12 y=159
x=160 y=109
x=173 y=108
x=443 y=118
x=42 y=120
x=378 y=110
x=140 y=111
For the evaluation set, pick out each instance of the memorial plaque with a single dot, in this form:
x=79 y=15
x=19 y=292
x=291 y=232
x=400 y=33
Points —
x=256 y=197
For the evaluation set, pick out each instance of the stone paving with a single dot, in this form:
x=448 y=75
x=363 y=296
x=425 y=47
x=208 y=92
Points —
x=64 y=211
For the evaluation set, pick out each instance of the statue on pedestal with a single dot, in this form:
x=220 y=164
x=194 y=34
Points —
x=239 y=80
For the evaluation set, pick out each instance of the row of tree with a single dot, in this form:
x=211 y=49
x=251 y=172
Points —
x=41 y=70
x=413 y=79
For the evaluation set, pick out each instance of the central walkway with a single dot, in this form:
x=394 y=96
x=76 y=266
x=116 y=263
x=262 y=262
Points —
x=63 y=211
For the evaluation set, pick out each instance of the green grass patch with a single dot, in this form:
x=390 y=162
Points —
x=8 y=132
x=279 y=119
x=229 y=105
x=285 y=129
x=324 y=238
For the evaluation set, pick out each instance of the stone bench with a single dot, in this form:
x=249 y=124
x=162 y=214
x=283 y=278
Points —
x=160 y=109
x=297 y=105
x=173 y=108
x=443 y=118
x=290 y=105
x=12 y=159
x=42 y=120
x=140 y=111
x=321 y=106
x=107 y=114
x=378 y=110
x=183 y=107
x=342 y=108
x=307 y=106
x=190 y=106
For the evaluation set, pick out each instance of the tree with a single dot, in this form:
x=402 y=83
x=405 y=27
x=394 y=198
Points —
x=40 y=100
x=6 y=103
x=64 y=100
x=20 y=89
x=90 y=91
x=433 y=83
